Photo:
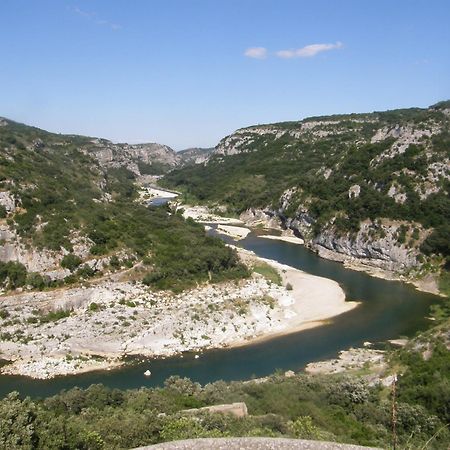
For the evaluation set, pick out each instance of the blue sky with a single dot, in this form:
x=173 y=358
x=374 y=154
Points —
x=188 y=72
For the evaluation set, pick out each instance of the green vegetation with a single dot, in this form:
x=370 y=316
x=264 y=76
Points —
x=155 y=168
x=54 y=316
x=63 y=193
x=71 y=262
x=268 y=272
x=12 y=275
x=433 y=390
x=339 y=408
x=444 y=283
x=269 y=164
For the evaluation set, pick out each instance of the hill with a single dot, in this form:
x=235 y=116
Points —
x=368 y=189
x=69 y=211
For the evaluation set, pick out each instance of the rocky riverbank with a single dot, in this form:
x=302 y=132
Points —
x=383 y=258
x=96 y=325
x=67 y=331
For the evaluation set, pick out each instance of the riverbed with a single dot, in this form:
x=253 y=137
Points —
x=388 y=310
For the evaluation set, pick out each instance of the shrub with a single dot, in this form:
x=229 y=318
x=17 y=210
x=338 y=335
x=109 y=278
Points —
x=94 y=307
x=70 y=262
x=14 y=273
x=85 y=271
x=303 y=428
x=36 y=280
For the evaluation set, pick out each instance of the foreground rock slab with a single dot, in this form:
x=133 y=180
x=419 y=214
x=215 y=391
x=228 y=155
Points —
x=238 y=409
x=245 y=443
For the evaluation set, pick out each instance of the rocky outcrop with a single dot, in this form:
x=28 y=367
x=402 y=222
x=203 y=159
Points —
x=7 y=201
x=376 y=244
x=12 y=249
x=151 y=154
x=238 y=409
x=111 y=155
x=194 y=155
x=257 y=217
x=46 y=262
x=381 y=252
x=252 y=443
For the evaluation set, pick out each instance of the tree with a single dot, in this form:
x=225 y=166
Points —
x=17 y=423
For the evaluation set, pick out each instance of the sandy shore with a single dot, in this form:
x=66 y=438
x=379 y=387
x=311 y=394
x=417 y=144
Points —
x=131 y=320
x=147 y=193
x=290 y=239
x=236 y=233
x=427 y=284
x=314 y=300
x=202 y=214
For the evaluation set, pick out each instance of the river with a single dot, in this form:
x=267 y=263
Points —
x=388 y=310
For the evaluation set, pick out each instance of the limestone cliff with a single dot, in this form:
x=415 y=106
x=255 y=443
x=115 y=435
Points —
x=369 y=188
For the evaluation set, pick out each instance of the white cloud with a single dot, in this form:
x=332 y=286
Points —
x=92 y=17
x=308 y=51
x=256 y=52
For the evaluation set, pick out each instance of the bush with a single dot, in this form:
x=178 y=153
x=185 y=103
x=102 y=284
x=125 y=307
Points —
x=36 y=280
x=70 y=262
x=303 y=428
x=14 y=273
x=54 y=316
x=85 y=271
x=438 y=242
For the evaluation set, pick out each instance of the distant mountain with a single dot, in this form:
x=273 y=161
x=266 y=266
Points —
x=367 y=188
x=141 y=159
x=195 y=155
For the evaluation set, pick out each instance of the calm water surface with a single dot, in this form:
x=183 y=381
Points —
x=389 y=310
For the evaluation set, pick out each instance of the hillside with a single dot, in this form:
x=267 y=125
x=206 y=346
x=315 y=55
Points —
x=367 y=189
x=86 y=272
x=68 y=211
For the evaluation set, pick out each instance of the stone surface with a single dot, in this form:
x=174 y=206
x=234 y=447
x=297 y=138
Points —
x=246 y=443
x=238 y=409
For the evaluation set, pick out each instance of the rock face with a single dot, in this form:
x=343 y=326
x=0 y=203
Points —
x=12 y=249
x=161 y=157
x=238 y=409
x=376 y=244
x=354 y=191
x=194 y=155
x=256 y=217
x=385 y=253
x=7 y=201
x=130 y=156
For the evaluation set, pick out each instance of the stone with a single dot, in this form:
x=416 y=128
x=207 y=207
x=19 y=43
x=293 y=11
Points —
x=238 y=409
x=354 y=191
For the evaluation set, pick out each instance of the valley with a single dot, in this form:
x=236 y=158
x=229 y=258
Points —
x=368 y=190
x=130 y=265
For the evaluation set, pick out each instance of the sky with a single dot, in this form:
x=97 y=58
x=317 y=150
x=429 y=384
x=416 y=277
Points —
x=188 y=72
